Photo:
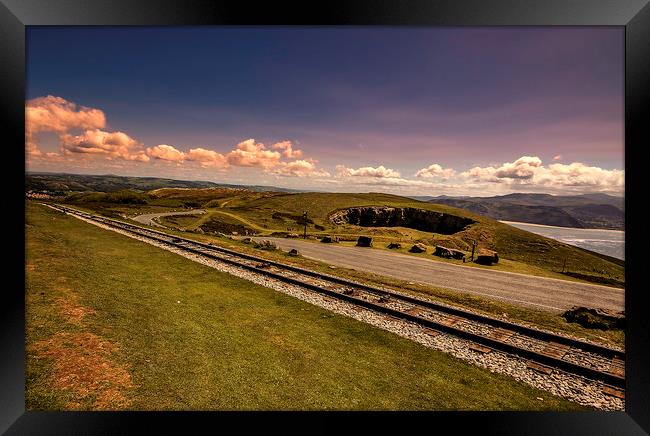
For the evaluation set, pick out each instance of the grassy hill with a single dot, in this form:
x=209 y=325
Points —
x=105 y=330
x=272 y=213
x=60 y=183
x=599 y=211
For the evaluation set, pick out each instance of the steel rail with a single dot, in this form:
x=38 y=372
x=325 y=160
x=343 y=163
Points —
x=609 y=378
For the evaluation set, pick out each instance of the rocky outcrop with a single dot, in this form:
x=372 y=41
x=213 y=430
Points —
x=394 y=245
x=364 y=241
x=448 y=252
x=486 y=257
x=419 y=219
x=418 y=248
x=329 y=239
x=265 y=245
x=595 y=318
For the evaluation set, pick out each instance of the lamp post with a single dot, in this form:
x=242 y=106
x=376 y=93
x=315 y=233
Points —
x=473 y=247
x=304 y=217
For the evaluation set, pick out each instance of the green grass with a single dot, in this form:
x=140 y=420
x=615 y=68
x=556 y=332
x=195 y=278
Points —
x=519 y=251
x=548 y=320
x=519 y=246
x=228 y=344
x=551 y=321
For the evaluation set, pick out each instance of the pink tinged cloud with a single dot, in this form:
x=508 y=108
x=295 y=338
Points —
x=206 y=158
x=378 y=172
x=56 y=114
x=253 y=154
x=111 y=144
x=166 y=152
x=300 y=168
x=288 y=150
x=435 y=171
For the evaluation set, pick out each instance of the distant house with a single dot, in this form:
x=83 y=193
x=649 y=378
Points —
x=39 y=195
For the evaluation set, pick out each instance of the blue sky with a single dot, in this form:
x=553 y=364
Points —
x=520 y=105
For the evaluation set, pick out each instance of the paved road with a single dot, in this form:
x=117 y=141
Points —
x=148 y=219
x=539 y=292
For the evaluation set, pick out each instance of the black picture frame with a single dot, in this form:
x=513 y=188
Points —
x=634 y=15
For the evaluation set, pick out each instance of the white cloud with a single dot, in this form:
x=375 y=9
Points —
x=435 y=171
x=378 y=172
x=529 y=171
x=300 y=168
x=523 y=168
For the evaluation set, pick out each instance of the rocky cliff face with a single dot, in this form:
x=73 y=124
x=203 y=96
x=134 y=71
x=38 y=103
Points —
x=419 y=219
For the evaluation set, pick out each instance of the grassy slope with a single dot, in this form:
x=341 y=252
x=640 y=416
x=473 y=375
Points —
x=105 y=330
x=494 y=307
x=519 y=251
x=511 y=243
x=549 y=320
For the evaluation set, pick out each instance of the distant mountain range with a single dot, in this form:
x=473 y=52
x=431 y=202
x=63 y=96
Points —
x=596 y=211
x=63 y=183
x=600 y=211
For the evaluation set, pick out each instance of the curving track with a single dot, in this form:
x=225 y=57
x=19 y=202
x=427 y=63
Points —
x=150 y=218
x=543 y=350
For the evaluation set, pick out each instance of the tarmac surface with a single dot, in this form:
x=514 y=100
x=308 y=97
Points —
x=539 y=292
x=149 y=218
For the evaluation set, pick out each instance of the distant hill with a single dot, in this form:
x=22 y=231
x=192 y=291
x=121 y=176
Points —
x=279 y=213
x=64 y=183
x=598 y=211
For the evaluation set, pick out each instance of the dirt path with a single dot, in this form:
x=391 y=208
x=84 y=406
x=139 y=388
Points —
x=540 y=292
x=148 y=218
x=243 y=220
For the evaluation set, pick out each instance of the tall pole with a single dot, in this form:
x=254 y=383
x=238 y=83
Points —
x=473 y=247
x=304 y=217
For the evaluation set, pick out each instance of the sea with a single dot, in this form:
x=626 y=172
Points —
x=609 y=242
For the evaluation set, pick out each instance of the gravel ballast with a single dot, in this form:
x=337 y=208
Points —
x=578 y=389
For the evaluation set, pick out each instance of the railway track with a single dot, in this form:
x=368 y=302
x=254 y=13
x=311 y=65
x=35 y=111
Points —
x=544 y=351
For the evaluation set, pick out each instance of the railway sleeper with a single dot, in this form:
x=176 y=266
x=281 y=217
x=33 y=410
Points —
x=479 y=348
x=553 y=349
x=445 y=326
x=617 y=367
x=501 y=334
x=614 y=392
x=537 y=367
